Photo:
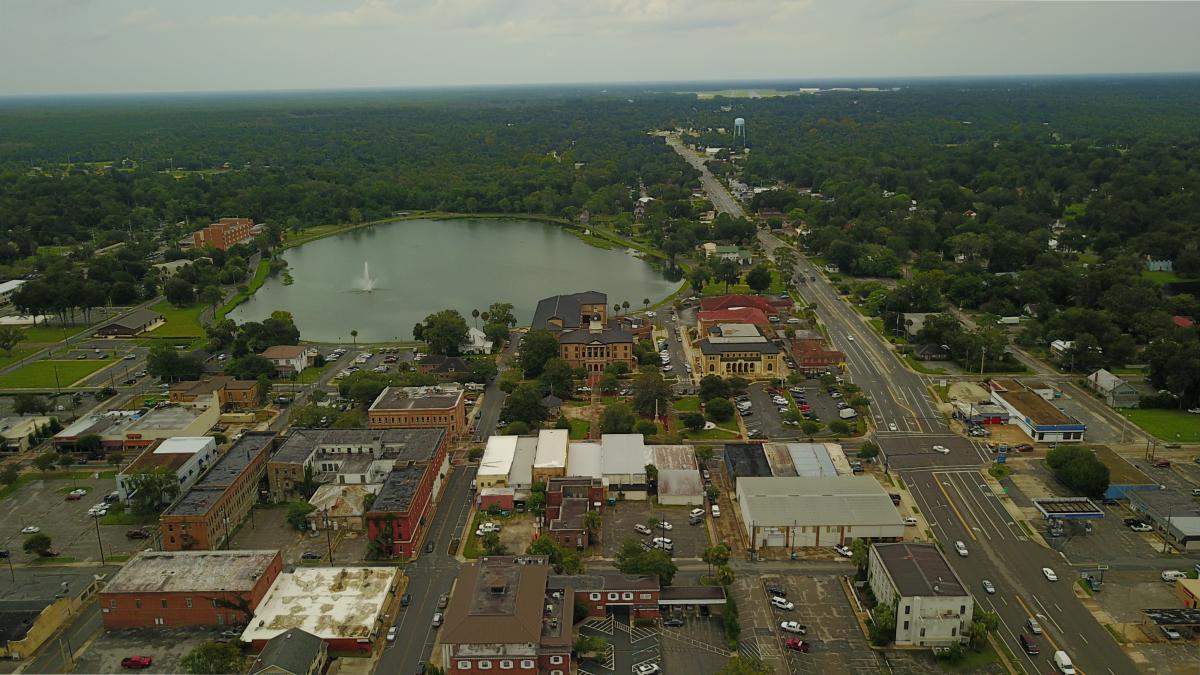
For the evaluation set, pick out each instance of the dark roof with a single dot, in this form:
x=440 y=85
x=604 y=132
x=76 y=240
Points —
x=918 y=570
x=692 y=593
x=436 y=363
x=764 y=347
x=498 y=600
x=567 y=308
x=398 y=490
x=201 y=497
x=293 y=651
x=415 y=398
x=570 y=515
x=552 y=401
x=135 y=319
x=410 y=445
x=610 y=334
x=746 y=459
x=604 y=581
x=929 y=348
x=17 y=616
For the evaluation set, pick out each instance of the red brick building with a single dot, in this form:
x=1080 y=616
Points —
x=206 y=514
x=504 y=617
x=225 y=233
x=567 y=500
x=601 y=592
x=160 y=589
x=750 y=315
x=404 y=506
x=436 y=407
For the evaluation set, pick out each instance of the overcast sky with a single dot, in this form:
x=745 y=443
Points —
x=110 y=46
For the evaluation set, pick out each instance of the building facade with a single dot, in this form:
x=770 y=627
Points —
x=225 y=233
x=402 y=509
x=740 y=350
x=587 y=338
x=290 y=359
x=933 y=607
x=187 y=457
x=1117 y=393
x=805 y=511
x=134 y=323
x=159 y=589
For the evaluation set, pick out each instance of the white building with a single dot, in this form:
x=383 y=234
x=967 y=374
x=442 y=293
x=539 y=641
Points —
x=623 y=464
x=551 y=459
x=477 y=342
x=583 y=459
x=679 y=480
x=802 y=511
x=15 y=432
x=497 y=461
x=933 y=607
x=185 y=456
x=290 y=359
x=520 y=473
x=7 y=288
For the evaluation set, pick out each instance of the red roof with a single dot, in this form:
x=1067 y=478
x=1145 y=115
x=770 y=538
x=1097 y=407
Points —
x=733 y=301
x=752 y=315
x=1182 y=321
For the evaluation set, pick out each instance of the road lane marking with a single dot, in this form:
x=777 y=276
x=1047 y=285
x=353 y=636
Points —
x=954 y=508
x=966 y=504
x=983 y=507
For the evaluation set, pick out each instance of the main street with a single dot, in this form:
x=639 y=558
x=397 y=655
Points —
x=951 y=493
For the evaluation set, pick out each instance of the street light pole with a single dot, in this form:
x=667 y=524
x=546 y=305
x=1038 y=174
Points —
x=99 y=542
x=328 y=535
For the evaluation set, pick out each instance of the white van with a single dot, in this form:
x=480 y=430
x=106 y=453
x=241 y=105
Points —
x=1172 y=575
x=716 y=511
x=1063 y=663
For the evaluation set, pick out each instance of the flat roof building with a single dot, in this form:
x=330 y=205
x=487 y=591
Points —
x=1037 y=417
x=551 y=459
x=441 y=407
x=185 y=456
x=340 y=605
x=679 y=479
x=497 y=460
x=933 y=607
x=1173 y=514
x=802 y=511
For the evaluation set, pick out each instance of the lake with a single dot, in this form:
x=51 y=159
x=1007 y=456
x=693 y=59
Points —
x=417 y=267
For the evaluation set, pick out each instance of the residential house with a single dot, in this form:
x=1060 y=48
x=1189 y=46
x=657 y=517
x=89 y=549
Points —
x=134 y=323
x=292 y=652
x=1117 y=393
x=444 y=368
x=291 y=359
x=477 y=342
x=931 y=351
x=1153 y=265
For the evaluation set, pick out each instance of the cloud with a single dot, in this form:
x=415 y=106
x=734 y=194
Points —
x=148 y=18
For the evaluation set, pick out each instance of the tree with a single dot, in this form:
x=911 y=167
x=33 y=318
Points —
x=558 y=377
x=633 y=558
x=475 y=317
x=719 y=410
x=166 y=363
x=651 y=473
x=809 y=427
x=712 y=386
x=89 y=443
x=516 y=428
x=698 y=277
x=645 y=428
x=983 y=621
x=211 y=296
x=501 y=313
x=645 y=304
x=715 y=556
x=538 y=347
x=179 y=292
x=883 y=625
x=839 y=427
x=151 y=491
x=297 y=514
x=44 y=462
x=617 y=418
x=693 y=421
x=609 y=383
x=759 y=278
x=590 y=644
x=525 y=404
x=37 y=544
x=859 y=554
x=354 y=337
x=10 y=336
x=492 y=545
x=592 y=523
x=868 y=450
x=651 y=394
x=562 y=560
x=9 y=474
x=733 y=627
x=213 y=658
x=66 y=460
x=250 y=367
x=727 y=272
x=445 y=332
x=537 y=498
x=725 y=575
x=30 y=404
x=1079 y=469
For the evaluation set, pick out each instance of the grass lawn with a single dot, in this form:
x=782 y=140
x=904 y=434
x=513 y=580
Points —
x=1169 y=425
x=920 y=367
x=256 y=282
x=687 y=404
x=973 y=661
x=1161 y=278
x=41 y=374
x=776 y=288
x=118 y=516
x=44 y=333
x=1137 y=372
x=306 y=376
x=580 y=429
x=180 y=322
x=18 y=353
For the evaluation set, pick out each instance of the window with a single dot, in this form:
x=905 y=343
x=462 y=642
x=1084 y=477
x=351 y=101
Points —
x=187 y=602
x=464 y=665
x=485 y=665
x=556 y=660
x=905 y=625
x=962 y=609
x=646 y=596
x=922 y=632
x=556 y=672
x=506 y=665
x=158 y=621
x=614 y=596
x=112 y=604
x=137 y=602
x=164 y=603
x=526 y=664
x=908 y=609
x=954 y=631
x=627 y=596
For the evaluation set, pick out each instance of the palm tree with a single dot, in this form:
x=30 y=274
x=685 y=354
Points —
x=625 y=306
x=617 y=309
x=646 y=303
x=354 y=337
x=475 y=315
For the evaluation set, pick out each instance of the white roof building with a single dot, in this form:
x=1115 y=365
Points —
x=497 y=461
x=520 y=475
x=679 y=479
x=477 y=342
x=333 y=603
x=551 y=459
x=583 y=460
x=801 y=511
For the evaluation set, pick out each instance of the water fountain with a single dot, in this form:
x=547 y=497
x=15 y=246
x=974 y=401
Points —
x=366 y=284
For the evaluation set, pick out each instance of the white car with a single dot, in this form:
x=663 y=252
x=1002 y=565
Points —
x=910 y=521
x=1171 y=633
x=641 y=529
x=651 y=314
x=1049 y=574
x=782 y=603
x=30 y=529
x=843 y=550
x=942 y=449
x=667 y=368
x=850 y=338
x=794 y=627
x=647 y=669
x=989 y=587
x=961 y=548
x=664 y=525
x=891 y=426
x=391 y=634
x=696 y=513
x=662 y=541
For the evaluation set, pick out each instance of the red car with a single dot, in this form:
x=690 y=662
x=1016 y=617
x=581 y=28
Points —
x=136 y=662
x=796 y=644
x=1162 y=464
x=1024 y=447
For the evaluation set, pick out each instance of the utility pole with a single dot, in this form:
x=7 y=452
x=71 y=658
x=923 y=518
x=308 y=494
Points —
x=99 y=542
x=328 y=535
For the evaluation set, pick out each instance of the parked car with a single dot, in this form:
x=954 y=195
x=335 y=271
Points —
x=429 y=547
x=942 y=449
x=796 y=644
x=406 y=599
x=794 y=627
x=664 y=525
x=437 y=619
x=443 y=600
x=76 y=495
x=310 y=555
x=843 y=550
x=139 y=533
x=647 y=669
x=910 y=521
x=641 y=529
x=777 y=591
x=987 y=586
x=672 y=623
x=30 y=529
x=1141 y=527
x=716 y=511
x=391 y=634
x=1171 y=633
x=1049 y=574
x=137 y=662
x=696 y=513
x=782 y=603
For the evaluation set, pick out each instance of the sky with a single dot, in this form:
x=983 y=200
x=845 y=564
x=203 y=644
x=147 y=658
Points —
x=122 y=46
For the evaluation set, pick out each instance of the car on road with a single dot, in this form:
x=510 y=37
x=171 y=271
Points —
x=310 y=555
x=30 y=529
x=794 y=627
x=850 y=338
x=647 y=669
x=782 y=603
x=664 y=525
x=443 y=600
x=989 y=587
x=1162 y=463
x=406 y=599
x=1029 y=644
x=716 y=510
x=429 y=547
x=231 y=634
x=910 y=521
x=138 y=662
x=1141 y=527
x=1049 y=574
x=421 y=668
x=1033 y=626
x=892 y=426
x=1023 y=447
x=129 y=357
x=796 y=645
x=437 y=619
x=961 y=548
x=641 y=529
x=843 y=550
x=672 y=623
x=391 y=634
x=942 y=449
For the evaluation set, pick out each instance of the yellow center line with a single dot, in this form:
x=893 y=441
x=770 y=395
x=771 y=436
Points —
x=950 y=501
x=1045 y=631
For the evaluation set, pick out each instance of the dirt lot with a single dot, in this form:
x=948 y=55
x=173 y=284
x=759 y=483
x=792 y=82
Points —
x=689 y=540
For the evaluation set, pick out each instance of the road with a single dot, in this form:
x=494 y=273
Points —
x=722 y=201
x=950 y=491
x=494 y=396
x=430 y=575
x=50 y=659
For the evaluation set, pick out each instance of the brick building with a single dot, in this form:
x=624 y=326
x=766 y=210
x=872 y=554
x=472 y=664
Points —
x=503 y=617
x=204 y=516
x=231 y=393
x=225 y=233
x=398 y=515
x=159 y=589
x=740 y=350
x=438 y=407
x=601 y=592
x=587 y=338
x=567 y=499
x=751 y=315
x=767 y=304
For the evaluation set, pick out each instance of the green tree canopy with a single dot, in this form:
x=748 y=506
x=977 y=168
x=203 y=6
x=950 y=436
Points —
x=445 y=332
x=617 y=418
x=213 y=658
x=537 y=347
x=633 y=558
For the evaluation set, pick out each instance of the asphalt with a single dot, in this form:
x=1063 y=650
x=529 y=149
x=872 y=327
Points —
x=494 y=396
x=430 y=575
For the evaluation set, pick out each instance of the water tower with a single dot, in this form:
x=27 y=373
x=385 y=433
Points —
x=739 y=131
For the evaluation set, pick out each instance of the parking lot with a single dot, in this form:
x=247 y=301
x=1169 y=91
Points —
x=385 y=359
x=268 y=529
x=166 y=647
x=689 y=540
x=628 y=646
x=72 y=532
x=766 y=416
x=698 y=646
